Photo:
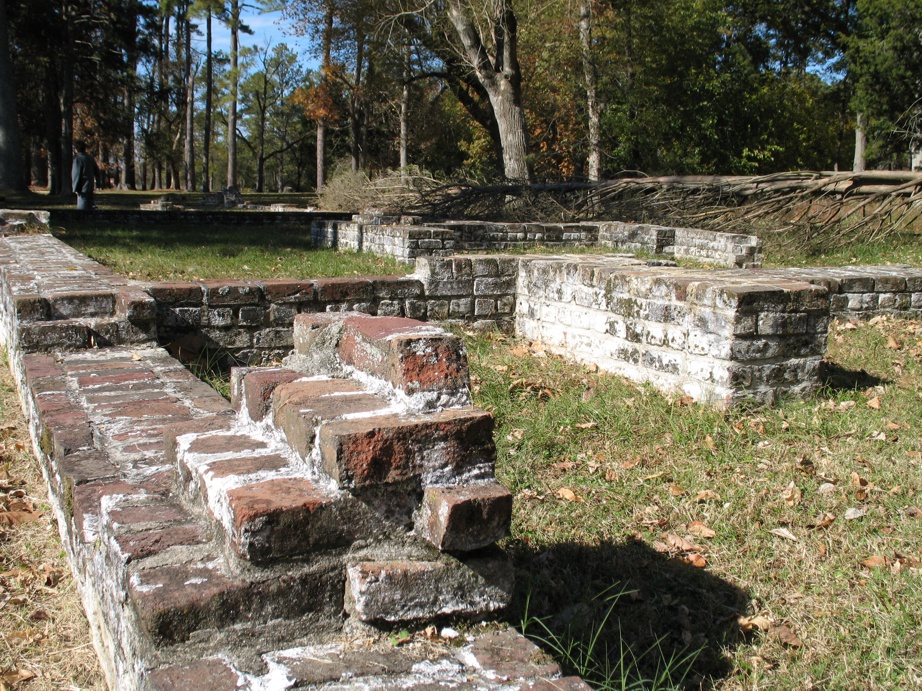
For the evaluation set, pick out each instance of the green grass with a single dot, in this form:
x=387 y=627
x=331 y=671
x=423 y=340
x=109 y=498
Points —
x=609 y=478
x=186 y=252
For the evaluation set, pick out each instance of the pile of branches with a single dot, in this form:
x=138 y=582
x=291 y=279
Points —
x=808 y=209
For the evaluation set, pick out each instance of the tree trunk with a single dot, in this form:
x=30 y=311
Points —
x=235 y=83
x=405 y=112
x=861 y=144
x=593 y=108
x=10 y=156
x=209 y=86
x=67 y=110
x=500 y=77
x=189 y=143
x=325 y=65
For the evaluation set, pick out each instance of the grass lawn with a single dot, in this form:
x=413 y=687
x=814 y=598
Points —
x=197 y=252
x=780 y=548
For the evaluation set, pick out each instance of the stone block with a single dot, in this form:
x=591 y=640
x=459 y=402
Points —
x=446 y=447
x=251 y=315
x=343 y=289
x=509 y=656
x=177 y=294
x=212 y=674
x=289 y=518
x=409 y=355
x=285 y=290
x=463 y=519
x=404 y=591
x=220 y=293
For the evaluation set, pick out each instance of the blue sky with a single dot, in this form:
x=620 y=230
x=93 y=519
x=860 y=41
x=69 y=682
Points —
x=266 y=26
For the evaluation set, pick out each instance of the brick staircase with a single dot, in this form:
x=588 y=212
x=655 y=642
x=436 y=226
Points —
x=265 y=542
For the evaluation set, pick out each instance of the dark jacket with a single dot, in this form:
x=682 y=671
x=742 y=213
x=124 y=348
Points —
x=83 y=174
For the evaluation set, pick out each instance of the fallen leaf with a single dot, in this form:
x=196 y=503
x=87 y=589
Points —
x=653 y=477
x=824 y=520
x=783 y=532
x=502 y=369
x=660 y=547
x=792 y=495
x=852 y=514
x=14 y=676
x=14 y=518
x=699 y=529
x=892 y=343
x=758 y=622
x=680 y=543
x=786 y=637
x=709 y=442
x=707 y=495
x=586 y=425
x=568 y=494
x=826 y=488
x=914 y=512
x=675 y=490
x=520 y=351
x=610 y=475
x=696 y=560
x=876 y=562
x=627 y=465
x=874 y=403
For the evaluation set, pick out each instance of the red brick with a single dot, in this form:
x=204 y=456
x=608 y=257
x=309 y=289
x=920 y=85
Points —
x=287 y=290
x=86 y=466
x=257 y=387
x=94 y=380
x=287 y=518
x=148 y=513
x=246 y=465
x=307 y=327
x=172 y=431
x=149 y=409
x=388 y=449
x=214 y=675
x=226 y=444
x=508 y=655
x=299 y=407
x=343 y=289
x=465 y=518
x=146 y=543
x=405 y=353
x=179 y=293
x=39 y=365
x=86 y=498
x=220 y=293
x=30 y=307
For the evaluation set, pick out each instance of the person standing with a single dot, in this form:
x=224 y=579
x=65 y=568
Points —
x=83 y=175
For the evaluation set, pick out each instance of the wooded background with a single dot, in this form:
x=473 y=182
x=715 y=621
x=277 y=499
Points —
x=475 y=90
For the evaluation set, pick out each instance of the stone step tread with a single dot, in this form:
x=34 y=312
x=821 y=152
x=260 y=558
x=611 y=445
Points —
x=502 y=659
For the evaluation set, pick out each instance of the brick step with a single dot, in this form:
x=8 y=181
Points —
x=84 y=333
x=177 y=583
x=502 y=659
x=410 y=356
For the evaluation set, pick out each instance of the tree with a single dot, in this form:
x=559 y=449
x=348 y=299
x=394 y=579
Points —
x=10 y=155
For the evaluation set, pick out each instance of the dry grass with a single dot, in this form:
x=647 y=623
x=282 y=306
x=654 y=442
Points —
x=44 y=635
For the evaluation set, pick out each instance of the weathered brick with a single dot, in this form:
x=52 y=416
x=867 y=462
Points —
x=286 y=290
x=465 y=518
x=287 y=518
x=399 y=591
x=406 y=353
x=385 y=449
x=299 y=407
x=225 y=444
x=343 y=289
x=177 y=294
x=508 y=655
x=232 y=293
x=211 y=674
x=254 y=392
x=30 y=307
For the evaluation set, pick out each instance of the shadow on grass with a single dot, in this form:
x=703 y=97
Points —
x=226 y=240
x=837 y=378
x=669 y=628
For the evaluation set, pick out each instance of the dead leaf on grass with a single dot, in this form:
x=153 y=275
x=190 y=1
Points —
x=709 y=442
x=707 y=495
x=824 y=520
x=914 y=512
x=874 y=403
x=892 y=343
x=792 y=495
x=675 y=490
x=586 y=425
x=786 y=637
x=699 y=529
x=16 y=676
x=680 y=543
x=14 y=518
x=520 y=351
x=568 y=495
x=627 y=465
x=852 y=514
x=696 y=560
x=876 y=562
x=785 y=533
x=758 y=622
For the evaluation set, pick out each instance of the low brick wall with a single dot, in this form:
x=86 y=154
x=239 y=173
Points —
x=406 y=242
x=721 y=338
